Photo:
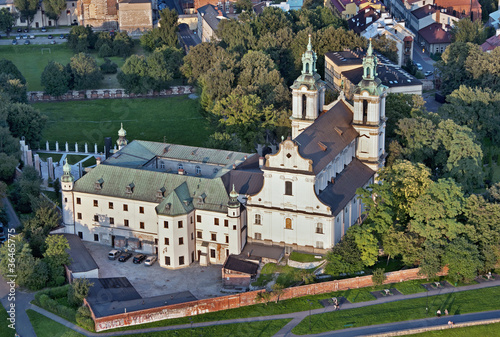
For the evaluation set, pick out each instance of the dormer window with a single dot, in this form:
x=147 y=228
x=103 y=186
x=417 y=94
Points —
x=198 y=170
x=162 y=165
x=160 y=193
x=130 y=188
x=98 y=184
x=180 y=167
x=201 y=199
x=167 y=206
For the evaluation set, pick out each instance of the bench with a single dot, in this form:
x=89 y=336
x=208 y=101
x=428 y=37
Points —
x=350 y=325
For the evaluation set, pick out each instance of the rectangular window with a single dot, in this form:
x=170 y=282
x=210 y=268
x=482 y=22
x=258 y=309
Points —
x=96 y=237
x=181 y=260
x=165 y=224
x=78 y=201
x=214 y=237
x=257 y=219
x=125 y=207
x=216 y=221
x=111 y=221
x=96 y=203
x=167 y=241
x=96 y=218
x=156 y=242
x=319 y=244
x=167 y=260
x=65 y=199
x=191 y=219
x=319 y=228
x=258 y=236
x=192 y=236
x=226 y=223
x=80 y=235
x=179 y=224
x=288 y=188
x=199 y=235
x=212 y=253
x=192 y=257
x=110 y=205
x=141 y=225
x=141 y=210
x=181 y=241
x=227 y=238
x=79 y=216
x=125 y=223
x=198 y=218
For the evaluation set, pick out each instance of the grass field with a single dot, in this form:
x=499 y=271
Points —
x=490 y=330
x=45 y=327
x=301 y=257
x=456 y=303
x=4 y=329
x=173 y=119
x=31 y=62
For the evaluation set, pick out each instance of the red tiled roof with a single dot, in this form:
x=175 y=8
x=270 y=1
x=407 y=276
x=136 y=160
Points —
x=457 y=3
x=337 y=4
x=491 y=43
x=408 y=38
x=435 y=34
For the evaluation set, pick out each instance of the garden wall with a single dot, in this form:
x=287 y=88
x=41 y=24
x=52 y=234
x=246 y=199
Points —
x=40 y=96
x=244 y=299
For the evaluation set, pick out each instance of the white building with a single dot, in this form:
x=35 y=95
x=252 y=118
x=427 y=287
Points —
x=67 y=17
x=186 y=203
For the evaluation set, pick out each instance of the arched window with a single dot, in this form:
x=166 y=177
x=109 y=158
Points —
x=180 y=167
x=368 y=72
x=257 y=219
x=288 y=223
x=288 y=188
x=198 y=170
x=307 y=67
x=304 y=106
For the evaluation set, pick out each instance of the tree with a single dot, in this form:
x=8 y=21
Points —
x=199 y=60
x=104 y=38
x=277 y=291
x=56 y=257
x=345 y=257
x=263 y=296
x=466 y=30
x=78 y=290
x=13 y=88
x=9 y=68
x=133 y=76
x=165 y=34
x=81 y=39
x=243 y=5
x=236 y=36
x=163 y=65
x=463 y=260
x=108 y=67
x=122 y=44
x=28 y=9
x=223 y=141
x=53 y=8
x=386 y=47
x=400 y=106
x=55 y=79
x=86 y=72
x=7 y=20
x=26 y=190
x=25 y=121
x=378 y=276
x=430 y=262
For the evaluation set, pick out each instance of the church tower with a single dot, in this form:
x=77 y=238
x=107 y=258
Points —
x=369 y=114
x=122 y=141
x=234 y=215
x=308 y=93
x=67 y=181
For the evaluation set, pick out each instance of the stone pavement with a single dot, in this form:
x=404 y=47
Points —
x=299 y=316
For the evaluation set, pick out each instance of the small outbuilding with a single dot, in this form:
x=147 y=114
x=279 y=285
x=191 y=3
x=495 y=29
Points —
x=82 y=264
x=236 y=272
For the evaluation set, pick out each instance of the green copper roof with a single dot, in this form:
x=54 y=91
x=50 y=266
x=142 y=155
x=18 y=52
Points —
x=182 y=192
x=67 y=176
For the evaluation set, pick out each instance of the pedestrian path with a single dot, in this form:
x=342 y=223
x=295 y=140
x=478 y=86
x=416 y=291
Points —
x=297 y=317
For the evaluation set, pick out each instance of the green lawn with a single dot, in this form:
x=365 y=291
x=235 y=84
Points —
x=31 y=62
x=73 y=159
x=490 y=330
x=456 y=303
x=55 y=157
x=411 y=287
x=301 y=257
x=4 y=329
x=45 y=327
x=173 y=119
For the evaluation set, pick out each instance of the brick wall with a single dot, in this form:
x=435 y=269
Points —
x=244 y=299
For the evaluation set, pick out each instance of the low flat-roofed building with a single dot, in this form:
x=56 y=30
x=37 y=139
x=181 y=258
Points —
x=82 y=264
x=238 y=272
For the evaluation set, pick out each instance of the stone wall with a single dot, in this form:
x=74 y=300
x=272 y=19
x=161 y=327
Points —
x=244 y=299
x=40 y=96
x=427 y=84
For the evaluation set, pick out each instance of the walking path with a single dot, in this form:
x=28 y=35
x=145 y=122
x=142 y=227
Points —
x=299 y=316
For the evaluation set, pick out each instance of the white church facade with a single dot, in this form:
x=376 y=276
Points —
x=189 y=204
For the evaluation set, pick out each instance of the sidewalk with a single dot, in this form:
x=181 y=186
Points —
x=297 y=317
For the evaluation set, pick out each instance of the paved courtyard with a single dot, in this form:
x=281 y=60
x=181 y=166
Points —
x=202 y=282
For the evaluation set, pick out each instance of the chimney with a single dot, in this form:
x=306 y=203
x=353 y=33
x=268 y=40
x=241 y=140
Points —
x=261 y=162
x=234 y=166
x=181 y=172
x=97 y=160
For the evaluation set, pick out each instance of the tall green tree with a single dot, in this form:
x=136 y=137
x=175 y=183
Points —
x=13 y=88
x=122 y=44
x=54 y=8
x=25 y=121
x=81 y=39
x=7 y=20
x=86 y=72
x=463 y=260
x=466 y=30
x=56 y=256
x=26 y=190
x=9 y=68
x=55 y=79
x=133 y=76
x=28 y=9
x=345 y=257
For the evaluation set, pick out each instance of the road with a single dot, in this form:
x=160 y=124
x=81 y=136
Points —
x=187 y=37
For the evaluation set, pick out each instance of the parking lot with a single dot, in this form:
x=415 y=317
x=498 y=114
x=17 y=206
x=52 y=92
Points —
x=202 y=282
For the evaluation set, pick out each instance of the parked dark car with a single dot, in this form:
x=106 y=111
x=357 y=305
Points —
x=139 y=258
x=61 y=36
x=50 y=36
x=27 y=42
x=14 y=42
x=44 y=29
x=19 y=30
x=124 y=256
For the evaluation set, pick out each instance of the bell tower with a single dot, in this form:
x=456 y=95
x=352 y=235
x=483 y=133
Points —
x=369 y=114
x=122 y=141
x=234 y=218
x=67 y=182
x=308 y=93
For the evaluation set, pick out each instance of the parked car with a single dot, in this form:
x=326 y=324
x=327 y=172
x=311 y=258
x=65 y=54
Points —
x=44 y=29
x=14 y=42
x=139 y=258
x=112 y=255
x=50 y=36
x=25 y=36
x=61 y=36
x=124 y=256
x=27 y=42
x=150 y=260
x=32 y=36
x=53 y=42
x=18 y=37
x=428 y=73
x=19 y=30
x=26 y=30
x=419 y=66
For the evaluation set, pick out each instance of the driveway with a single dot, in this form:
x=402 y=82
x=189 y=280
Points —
x=202 y=282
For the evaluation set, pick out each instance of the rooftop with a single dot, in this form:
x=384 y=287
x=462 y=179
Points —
x=258 y=251
x=491 y=43
x=435 y=33
x=363 y=19
x=81 y=260
x=423 y=11
x=389 y=75
x=211 y=15
x=241 y=266
x=346 y=57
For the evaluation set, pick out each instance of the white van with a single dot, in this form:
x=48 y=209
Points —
x=112 y=255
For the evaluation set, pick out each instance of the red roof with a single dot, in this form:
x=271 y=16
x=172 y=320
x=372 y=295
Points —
x=491 y=43
x=408 y=38
x=435 y=34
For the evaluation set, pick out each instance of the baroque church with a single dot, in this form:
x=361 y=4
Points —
x=189 y=204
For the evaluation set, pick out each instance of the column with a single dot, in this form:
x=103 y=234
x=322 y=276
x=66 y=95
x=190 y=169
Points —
x=37 y=164
x=57 y=146
x=47 y=146
x=67 y=147
x=50 y=167
x=76 y=147
x=86 y=148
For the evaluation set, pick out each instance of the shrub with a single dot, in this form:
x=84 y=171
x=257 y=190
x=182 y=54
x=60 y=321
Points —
x=109 y=67
x=105 y=51
x=84 y=318
x=378 y=276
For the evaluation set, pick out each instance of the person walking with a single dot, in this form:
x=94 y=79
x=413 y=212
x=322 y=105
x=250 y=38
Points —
x=438 y=313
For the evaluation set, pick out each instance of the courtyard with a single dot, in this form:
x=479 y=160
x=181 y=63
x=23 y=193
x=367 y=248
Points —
x=202 y=282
